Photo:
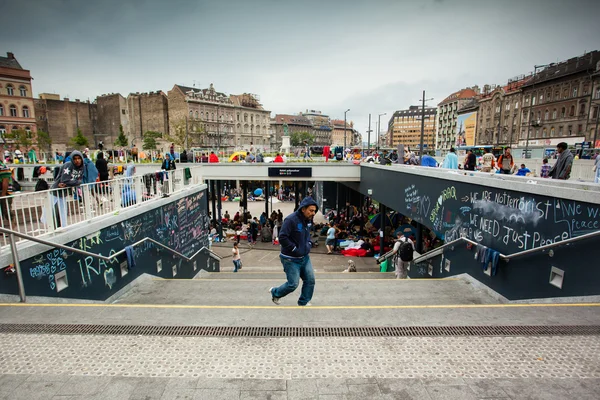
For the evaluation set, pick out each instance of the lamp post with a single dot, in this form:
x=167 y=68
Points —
x=421 y=144
x=378 y=129
x=345 y=112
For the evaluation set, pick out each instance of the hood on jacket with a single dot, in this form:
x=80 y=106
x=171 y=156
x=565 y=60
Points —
x=307 y=201
x=130 y=170
x=76 y=153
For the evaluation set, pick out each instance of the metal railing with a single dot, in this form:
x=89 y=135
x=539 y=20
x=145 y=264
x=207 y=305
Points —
x=46 y=212
x=17 y=264
x=439 y=250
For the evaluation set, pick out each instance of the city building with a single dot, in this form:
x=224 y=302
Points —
x=447 y=115
x=62 y=118
x=339 y=132
x=560 y=103
x=148 y=112
x=294 y=123
x=321 y=127
x=405 y=128
x=112 y=113
x=251 y=122
x=17 y=109
x=499 y=119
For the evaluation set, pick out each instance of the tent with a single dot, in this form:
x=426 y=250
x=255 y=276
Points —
x=376 y=221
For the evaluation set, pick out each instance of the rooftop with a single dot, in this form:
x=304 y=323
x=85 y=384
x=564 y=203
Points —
x=10 y=61
x=467 y=93
x=586 y=63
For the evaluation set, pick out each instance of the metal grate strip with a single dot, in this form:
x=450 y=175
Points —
x=234 y=331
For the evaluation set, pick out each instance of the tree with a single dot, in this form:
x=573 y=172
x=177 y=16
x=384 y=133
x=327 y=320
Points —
x=44 y=141
x=79 y=140
x=298 y=138
x=194 y=133
x=21 y=138
x=150 y=140
x=121 y=139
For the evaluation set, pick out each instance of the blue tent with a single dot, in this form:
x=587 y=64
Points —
x=376 y=221
x=258 y=192
x=429 y=161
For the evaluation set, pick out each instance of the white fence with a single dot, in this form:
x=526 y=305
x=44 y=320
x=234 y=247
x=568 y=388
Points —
x=45 y=212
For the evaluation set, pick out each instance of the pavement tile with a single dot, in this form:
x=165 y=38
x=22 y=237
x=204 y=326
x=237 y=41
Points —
x=442 y=381
x=573 y=385
x=216 y=383
x=332 y=386
x=533 y=389
x=403 y=389
x=179 y=394
x=35 y=391
x=216 y=394
x=9 y=382
x=47 y=378
x=263 y=395
x=301 y=396
x=360 y=381
x=305 y=386
x=368 y=390
x=263 y=384
x=458 y=392
x=119 y=388
x=84 y=385
x=486 y=388
x=190 y=383
x=149 y=389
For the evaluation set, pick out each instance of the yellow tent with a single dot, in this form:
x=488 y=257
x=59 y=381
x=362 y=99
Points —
x=241 y=155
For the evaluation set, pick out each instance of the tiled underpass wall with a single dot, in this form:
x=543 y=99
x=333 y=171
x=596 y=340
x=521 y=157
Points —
x=491 y=213
x=181 y=224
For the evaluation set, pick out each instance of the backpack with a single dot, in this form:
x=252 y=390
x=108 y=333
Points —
x=406 y=251
x=41 y=185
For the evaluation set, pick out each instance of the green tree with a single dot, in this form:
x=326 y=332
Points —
x=194 y=133
x=150 y=140
x=79 y=140
x=21 y=138
x=44 y=141
x=298 y=138
x=121 y=139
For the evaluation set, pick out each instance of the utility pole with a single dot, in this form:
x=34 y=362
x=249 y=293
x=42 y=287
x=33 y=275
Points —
x=421 y=144
x=379 y=129
x=369 y=136
x=345 y=130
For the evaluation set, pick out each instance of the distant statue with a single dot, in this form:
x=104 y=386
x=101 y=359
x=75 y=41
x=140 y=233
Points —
x=285 y=130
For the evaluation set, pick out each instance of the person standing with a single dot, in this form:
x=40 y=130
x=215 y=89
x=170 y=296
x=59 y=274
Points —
x=330 y=241
x=237 y=259
x=168 y=164
x=506 y=162
x=562 y=167
x=488 y=161
x=307 y=151
x=403 y=251
x=545 y=169
x=451 y=160
x=212 y=158
x=597 y=169
x=295 y=240
x=70 y=175
x=470 y=161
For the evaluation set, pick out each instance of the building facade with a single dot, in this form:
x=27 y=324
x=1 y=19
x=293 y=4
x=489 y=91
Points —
x=499 y=118
x=17 y=108
x=447 y=115
x=321 y=127
x=112 y=112
x=206 y=117
x=340 y=131
x=560 y=103
x=62 y=118
x=251 y=122
x=405 y=128
x=148 y=112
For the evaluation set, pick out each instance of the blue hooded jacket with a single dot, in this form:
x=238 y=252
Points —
x=294 y=235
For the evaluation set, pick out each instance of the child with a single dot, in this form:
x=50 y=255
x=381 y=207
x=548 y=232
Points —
x=523 y=171
x=237 y=260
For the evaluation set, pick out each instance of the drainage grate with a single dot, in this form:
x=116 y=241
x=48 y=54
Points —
x=234 y=331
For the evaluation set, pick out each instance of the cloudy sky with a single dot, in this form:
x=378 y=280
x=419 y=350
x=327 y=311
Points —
x=372 y=56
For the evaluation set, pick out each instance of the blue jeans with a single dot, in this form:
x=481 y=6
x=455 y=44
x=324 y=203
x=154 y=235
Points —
x=236 y=265
x=294 y=270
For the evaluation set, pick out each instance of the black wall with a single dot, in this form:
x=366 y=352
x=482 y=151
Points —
x=182 y=225
x=504 y=220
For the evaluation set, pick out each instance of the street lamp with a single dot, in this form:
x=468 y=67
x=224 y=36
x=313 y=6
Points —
x=421 y=144
x=345 y=128
x=378 y=129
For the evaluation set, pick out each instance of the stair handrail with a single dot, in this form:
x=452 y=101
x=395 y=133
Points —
x=508 y=257
x=13 y=246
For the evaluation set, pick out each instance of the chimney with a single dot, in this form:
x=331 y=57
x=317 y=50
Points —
x=10 y=55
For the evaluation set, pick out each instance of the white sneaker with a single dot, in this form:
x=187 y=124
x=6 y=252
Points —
x=306 y=305
x=276 y=300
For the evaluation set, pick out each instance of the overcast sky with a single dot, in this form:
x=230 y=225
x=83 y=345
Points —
x=372 y=56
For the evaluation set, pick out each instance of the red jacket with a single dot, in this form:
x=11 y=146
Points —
x=278 y=159
x=213 y=158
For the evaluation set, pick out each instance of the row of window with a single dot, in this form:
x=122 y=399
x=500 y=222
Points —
x=15 y=128
x=563 y=113
x=565 y=94
x=10 y=90
x=14 y=111
x=543 y=133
